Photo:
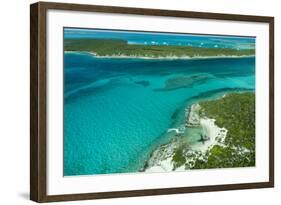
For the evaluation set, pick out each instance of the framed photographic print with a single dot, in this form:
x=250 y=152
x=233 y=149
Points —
x=134 y=102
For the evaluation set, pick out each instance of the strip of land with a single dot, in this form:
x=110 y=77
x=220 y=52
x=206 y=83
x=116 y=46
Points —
x=121 y=49
x=227 y=138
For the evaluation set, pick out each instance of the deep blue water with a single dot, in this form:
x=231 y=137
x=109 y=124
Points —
x=116 y=111
x=148 y=38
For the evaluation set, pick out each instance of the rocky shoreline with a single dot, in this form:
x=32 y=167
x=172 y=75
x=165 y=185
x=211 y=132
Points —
x=178 y=155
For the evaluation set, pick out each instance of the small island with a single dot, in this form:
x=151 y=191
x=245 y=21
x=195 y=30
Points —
x=121 y=49
x=227 y=137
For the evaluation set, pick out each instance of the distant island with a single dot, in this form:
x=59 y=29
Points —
x=120 y=48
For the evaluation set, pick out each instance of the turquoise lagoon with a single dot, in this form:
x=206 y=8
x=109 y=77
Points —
x=117 y=111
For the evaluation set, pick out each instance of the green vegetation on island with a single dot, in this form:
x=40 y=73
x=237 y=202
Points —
x=227 y=132
x=178 y=157
x=235 y=112
x=111 y=47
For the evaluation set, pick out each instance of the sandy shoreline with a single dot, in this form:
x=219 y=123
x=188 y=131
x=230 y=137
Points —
x=162 y=158
x=162 y=57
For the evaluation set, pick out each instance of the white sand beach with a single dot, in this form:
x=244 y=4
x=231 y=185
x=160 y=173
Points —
x=215 y=134
x=162 y=159
x=171 y=57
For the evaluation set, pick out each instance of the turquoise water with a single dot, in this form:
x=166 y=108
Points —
x=116 y=111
